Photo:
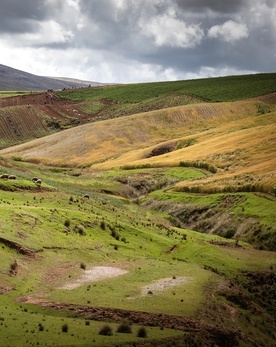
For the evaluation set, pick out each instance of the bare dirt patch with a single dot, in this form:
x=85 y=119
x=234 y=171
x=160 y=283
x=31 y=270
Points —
x=164 y=284
x=96 y=273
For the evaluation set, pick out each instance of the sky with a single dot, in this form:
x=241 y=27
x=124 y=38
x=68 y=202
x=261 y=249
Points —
x=129 y=41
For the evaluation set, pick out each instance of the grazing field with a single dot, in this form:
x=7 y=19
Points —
x=211 y=89
x=152 y=226
x=6 y=94
x=51 y=235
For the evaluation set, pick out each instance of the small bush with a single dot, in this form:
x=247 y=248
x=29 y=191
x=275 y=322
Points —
x=142 y=332
x=103 y=225
x=83 y=266
x=17 y=158
x=106 y=331
x=124 y=328
x=40 y=327
x=67 y=223
x=64 y=328
x=80 y=230
x=115 y=235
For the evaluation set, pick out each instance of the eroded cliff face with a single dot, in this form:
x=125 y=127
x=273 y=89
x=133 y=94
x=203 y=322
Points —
x=217 y=219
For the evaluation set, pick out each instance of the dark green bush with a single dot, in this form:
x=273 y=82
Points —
x=40 y=327
x=67 y=223
x=83 y=266
x=106 y=330
x=103 y=225
x=124 y=328
x=80 y=230
x=64 y=328
x=142 y=332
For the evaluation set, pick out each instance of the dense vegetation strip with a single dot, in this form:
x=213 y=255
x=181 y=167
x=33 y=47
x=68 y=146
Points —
x=228 y=88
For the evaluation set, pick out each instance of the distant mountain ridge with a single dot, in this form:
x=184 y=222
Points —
x=13 y=79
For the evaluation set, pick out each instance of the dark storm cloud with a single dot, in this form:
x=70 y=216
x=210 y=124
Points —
x=229 y=37
x=146 y=39
x=21 y=16
x=228 y=6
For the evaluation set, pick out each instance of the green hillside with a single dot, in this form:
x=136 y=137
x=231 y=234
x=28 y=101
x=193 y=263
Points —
x=218 y=89
x=151 y=223
x=179 y=284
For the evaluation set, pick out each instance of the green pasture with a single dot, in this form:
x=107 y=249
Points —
x=212 y=89
x=23 y=325
x=68 y=234
x=8 y=93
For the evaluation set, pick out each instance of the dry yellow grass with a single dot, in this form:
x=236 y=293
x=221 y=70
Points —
x=233 y=137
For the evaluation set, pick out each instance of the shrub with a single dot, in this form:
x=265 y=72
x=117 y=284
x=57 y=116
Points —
x=80 y=230
x=67 y=223
x=106 y=330
x=198 y=164
x=17 y=158
x=115 y=235
x=40 y=327
x=142 y=332
x=103 y=225
x=83 y=266
x=124 y=328
x=64 y=328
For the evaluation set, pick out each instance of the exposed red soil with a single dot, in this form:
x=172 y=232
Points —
x=31 y=99
x=48 y=103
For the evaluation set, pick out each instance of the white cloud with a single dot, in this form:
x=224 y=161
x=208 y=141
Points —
x=168 y=30
x=121 y=41
x=207 y=71
x=48 y=32
x=230 y=31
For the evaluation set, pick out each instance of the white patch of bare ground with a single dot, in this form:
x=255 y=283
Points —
x=96 y=273
x=164 y=284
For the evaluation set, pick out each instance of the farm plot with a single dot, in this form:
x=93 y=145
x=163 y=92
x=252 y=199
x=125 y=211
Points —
x=19 y=123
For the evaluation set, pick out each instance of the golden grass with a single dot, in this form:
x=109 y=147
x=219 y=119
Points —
x=233 y=137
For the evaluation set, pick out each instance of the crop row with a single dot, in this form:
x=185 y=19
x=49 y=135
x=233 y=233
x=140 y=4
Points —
x=20 y=123
x=211 y=89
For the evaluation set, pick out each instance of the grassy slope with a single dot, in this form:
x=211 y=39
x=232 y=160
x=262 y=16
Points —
x=220 y=292
x=94 y=104
x=212 y=89
x=36 y=221
x=234 y=137
x=6 y=94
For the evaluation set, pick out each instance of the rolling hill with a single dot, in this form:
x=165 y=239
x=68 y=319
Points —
x=236 y=138
x=139 y=215
x=13 y=79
